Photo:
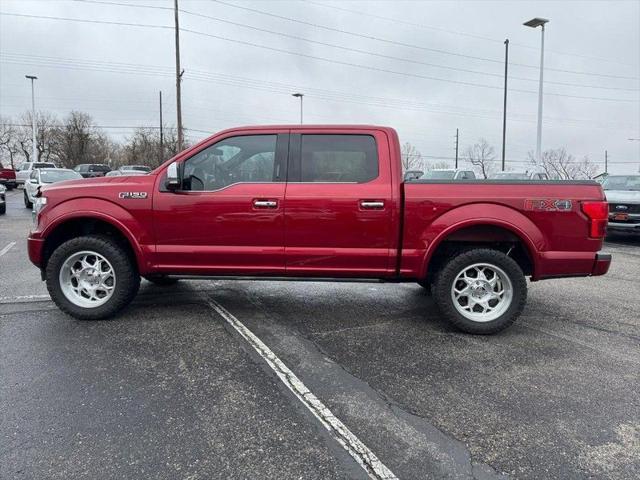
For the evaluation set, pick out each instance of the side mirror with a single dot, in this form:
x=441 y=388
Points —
x=173 y=179
x=34 y=181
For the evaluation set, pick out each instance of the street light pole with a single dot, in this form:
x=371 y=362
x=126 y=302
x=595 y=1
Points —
x=33 y=118
x=534 y=23
x=504 y=110
x=300 y=96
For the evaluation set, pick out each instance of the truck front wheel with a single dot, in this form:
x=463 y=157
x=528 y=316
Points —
x=91 y=277
x=481 y=291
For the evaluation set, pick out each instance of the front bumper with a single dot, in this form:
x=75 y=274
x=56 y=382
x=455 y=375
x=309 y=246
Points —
x=626 y=227
x=35 y=247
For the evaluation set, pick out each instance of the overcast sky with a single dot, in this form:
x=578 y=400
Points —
x=425 y=68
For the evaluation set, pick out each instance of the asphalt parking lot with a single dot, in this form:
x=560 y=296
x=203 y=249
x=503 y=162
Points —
x=169 y=389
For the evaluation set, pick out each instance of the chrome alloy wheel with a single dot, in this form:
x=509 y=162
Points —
x=87 y=279
x=482 y=292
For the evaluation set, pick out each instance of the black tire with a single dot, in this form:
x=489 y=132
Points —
x=443 y=283
x=161 y=280
x=426 y=286
x=127 y=278
x=3 y=209
x=27 y=202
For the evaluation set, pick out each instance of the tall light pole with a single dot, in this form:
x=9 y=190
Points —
x=33 y=118
x=504 y=109
x=534 y=23
x=300 y=96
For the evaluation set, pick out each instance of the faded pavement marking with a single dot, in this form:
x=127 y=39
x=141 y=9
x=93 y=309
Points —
x=7 y=248
x=338 y=430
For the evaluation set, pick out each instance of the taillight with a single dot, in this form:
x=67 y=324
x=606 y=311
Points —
x=598 y=213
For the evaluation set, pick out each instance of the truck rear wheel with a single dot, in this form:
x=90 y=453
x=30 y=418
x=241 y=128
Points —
x=481 y=291
x=91 y=277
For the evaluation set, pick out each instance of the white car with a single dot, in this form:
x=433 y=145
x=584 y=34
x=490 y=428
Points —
x=3 y=203
x=45 y=176
x=448 y=174
x=23 y=172
x=623 y=195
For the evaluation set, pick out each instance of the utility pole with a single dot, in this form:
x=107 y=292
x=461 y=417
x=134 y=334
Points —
x=457 y=141
x=161 y=132
x=504 y=110
x=606 y=162
x=179 y=73
x=33 y=118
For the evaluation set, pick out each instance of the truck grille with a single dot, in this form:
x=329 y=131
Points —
x=624 y=208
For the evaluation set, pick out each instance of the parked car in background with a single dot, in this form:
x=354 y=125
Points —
x=413 y=175
x=519 y=176
x=129 y=173
x=623 y=195
x=3 y=200
x=134 y=168
x=8 y=178
x=92 y=170
x=45 y=176
x=24 y=170
x=448 y=174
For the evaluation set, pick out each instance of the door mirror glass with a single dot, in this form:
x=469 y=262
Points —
x=173 y=179
x=33 y=180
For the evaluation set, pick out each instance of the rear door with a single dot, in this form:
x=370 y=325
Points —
x=338 y=204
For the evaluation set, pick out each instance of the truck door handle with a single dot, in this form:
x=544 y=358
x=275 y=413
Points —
x=372 y=204
x=265 y=203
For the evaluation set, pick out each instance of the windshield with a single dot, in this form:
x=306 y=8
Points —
x=622 y=182
x=43 y=165
x=439 y=175
x=52 y=176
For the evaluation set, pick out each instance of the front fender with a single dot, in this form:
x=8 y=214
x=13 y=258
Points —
x=482 y=214
x=132 y=227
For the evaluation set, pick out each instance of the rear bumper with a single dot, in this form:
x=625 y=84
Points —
x=571 y=264
x=8 y=183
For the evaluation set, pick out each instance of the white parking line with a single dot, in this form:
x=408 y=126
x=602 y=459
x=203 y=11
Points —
x=24 y=298
x=338 y=430
x=7 y=248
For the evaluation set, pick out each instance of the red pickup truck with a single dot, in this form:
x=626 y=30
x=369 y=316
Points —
x=7 y=177
x=322 y=202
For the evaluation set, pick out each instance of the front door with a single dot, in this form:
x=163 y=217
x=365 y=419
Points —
x=338 y=205
x=227 y=217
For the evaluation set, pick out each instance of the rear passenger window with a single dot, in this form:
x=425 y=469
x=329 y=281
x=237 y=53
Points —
x=338 y=158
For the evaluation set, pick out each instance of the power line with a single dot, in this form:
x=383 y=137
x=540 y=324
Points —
x=455 y=32
x=331 y=95
x=356 y=50
x=324 y=59
x=420 y=47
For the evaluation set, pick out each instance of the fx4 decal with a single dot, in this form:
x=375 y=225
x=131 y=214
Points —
x=548 y=205
x=133 y=195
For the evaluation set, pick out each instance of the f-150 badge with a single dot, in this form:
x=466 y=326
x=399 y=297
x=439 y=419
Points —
x=133 y=195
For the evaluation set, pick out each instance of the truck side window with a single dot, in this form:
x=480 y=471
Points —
x=248 y=158
x=338 y=158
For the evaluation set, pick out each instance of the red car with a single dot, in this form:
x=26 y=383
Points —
x=321 y=202
x=8 y=177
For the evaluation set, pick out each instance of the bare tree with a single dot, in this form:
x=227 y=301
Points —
x=482 y=157
x=8 y=142
x=46 y=125
x=410 y=156
x=441 y=164
x=559 y=164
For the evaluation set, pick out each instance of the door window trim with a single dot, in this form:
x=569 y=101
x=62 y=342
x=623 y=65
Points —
x=295 y=158
x=279 y=163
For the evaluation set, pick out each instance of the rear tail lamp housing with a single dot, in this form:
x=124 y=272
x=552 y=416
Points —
x=598 y=213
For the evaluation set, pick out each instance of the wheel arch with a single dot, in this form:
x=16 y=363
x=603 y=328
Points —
x=463 y=228
x=91 y=223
